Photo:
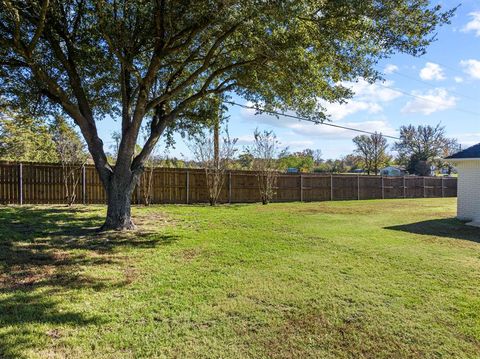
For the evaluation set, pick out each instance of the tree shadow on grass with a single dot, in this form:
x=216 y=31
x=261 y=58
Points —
x=446 y=227
x=24 y=316
x=45 y=255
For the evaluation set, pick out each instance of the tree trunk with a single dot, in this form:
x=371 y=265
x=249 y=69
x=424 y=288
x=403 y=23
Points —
x=119 y=197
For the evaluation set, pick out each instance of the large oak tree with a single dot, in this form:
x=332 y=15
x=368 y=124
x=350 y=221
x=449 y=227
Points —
x=158 y=62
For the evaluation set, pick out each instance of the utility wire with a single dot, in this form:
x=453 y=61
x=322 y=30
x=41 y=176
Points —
x=317 y=122
x=428 y=100
x=459 y=72
x=435 y=86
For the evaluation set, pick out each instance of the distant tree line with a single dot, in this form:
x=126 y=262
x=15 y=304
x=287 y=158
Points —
x=423 y=147
x=29 y=139
x=418 y=150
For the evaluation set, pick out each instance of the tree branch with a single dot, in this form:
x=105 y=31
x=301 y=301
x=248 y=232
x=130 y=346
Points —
x=83 y=118
x=40 y=26
x=68 y=62
x=167 y=96
x=16 y=20
x=160 y=122
x=13 y=63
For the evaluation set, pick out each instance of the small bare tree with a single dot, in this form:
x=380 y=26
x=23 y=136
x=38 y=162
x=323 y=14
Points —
x=72 y=155
x=373 y=151
x=146 y=181
x=265 y=151
x=215 y=158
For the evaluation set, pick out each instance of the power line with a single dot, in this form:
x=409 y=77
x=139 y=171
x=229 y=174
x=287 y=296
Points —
x=317 y=122
x=428 y=100
x=434 y=86
x=459 y=72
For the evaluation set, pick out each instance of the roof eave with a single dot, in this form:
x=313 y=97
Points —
x=462 y=159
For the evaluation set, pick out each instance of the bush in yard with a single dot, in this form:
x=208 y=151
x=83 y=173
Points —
x=265 y=151
x=214 y=156
x=72 y=155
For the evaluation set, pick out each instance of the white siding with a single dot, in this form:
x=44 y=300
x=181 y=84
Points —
x=468 y=204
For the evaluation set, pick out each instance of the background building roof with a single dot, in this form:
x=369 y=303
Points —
x=471 y=152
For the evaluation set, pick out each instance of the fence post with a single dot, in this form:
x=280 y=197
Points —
x=187 y=184
x=138 y=188
x=331 y=187
x=84 y=185
x=301 y=188
x=20 y=183
x=229 y=186
x=358 y=187
x=424 y=189
x=443 y=188
x=383 y=188
x=404 y=187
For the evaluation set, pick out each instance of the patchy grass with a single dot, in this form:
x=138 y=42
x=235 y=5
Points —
x=371 y=279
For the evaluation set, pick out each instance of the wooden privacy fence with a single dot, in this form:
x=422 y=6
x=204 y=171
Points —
x=34 y=183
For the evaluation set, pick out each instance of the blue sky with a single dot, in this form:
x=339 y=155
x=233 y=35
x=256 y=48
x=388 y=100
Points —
x=442 y=86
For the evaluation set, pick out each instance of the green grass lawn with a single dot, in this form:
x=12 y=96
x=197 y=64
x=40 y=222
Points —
x=360 y=279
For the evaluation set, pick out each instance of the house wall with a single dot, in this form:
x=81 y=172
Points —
x=468 y=203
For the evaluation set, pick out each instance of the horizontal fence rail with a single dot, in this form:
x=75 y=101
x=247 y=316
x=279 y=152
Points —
x=34 y=183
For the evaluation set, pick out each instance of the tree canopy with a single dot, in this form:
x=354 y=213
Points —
x=420 y=147
x=302 y=161
x=23 y=138
x=373 y=151
x=70 y=147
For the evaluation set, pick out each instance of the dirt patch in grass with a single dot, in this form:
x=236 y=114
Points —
x=312 y=335
x=336 y=210
x=188 y=254
x=151 y=219
x=130 y=274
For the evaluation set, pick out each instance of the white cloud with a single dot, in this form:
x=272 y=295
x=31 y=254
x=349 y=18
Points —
x=458 y=79
x=251 y=115
x=432 y=71
x=308 y=129
x=339 y=111
x=245 y=140
x=296 y=144
x=474 y=24
x=429 y=102
x=373 y=92
x=467 y=139
x=390 y=69
x=368 y=98
x=471 y=67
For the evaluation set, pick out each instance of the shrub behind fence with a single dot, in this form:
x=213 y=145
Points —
x=35 y=183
